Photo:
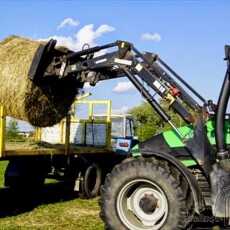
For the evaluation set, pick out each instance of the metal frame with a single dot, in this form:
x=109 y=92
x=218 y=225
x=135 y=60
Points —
x=65 y=126
x=222 y=151
x=91 y=104
x=139 y=68
x=65 y=147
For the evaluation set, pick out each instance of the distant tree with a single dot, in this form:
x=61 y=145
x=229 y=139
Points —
x=148 y=122
x=12 y=130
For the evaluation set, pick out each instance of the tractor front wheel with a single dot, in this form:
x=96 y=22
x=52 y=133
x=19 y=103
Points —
x=146 y=194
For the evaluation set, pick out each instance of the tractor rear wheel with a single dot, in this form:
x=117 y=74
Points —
x=146 y=194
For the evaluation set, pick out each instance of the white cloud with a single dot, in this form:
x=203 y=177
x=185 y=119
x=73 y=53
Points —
x=151 y=37
x=123 y=87
x=68 y=22
x=87 y=34
x=123 y=110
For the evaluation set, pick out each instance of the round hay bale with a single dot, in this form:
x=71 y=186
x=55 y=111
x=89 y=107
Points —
x=42 y=105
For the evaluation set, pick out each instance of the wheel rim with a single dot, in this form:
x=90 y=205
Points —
x=142 y=204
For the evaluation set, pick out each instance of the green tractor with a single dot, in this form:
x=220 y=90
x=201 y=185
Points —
x=176 y=179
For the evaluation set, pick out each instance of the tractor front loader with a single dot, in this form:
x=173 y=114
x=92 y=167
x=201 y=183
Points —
x=182 y=174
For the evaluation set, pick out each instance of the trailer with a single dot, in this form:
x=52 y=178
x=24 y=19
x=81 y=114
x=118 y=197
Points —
x=79 y=151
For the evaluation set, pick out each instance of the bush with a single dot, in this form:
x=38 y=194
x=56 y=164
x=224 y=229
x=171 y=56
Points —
x=12 y=131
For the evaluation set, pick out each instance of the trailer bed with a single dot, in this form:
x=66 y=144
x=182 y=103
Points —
x=43 y=148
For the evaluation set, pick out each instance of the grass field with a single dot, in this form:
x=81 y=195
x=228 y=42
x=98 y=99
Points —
x=53 y=208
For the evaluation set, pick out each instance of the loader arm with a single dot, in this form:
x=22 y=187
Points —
x=149 y=74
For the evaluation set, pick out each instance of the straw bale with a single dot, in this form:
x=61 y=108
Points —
x=43 y=104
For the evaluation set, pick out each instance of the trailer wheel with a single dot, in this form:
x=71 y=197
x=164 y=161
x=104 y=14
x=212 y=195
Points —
x=91 y=181
x=146 y=194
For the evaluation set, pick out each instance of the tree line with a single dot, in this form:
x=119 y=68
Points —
x=148 y=122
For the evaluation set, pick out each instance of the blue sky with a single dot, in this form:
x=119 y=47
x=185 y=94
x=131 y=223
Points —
x=189 y=35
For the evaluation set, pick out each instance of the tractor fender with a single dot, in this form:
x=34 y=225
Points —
x=197 y=195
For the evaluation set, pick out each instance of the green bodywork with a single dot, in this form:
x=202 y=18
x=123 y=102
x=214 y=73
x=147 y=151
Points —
x=174 y=141
x=136 y=151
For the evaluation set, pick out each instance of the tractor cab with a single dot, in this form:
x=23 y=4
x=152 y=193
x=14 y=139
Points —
x=122 y=132
x=123 y=137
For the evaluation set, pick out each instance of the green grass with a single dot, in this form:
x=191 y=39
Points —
x=53 y=209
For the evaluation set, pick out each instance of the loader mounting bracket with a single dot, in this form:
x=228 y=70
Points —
x=41 y=60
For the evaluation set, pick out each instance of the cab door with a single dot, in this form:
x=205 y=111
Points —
x=125 y=141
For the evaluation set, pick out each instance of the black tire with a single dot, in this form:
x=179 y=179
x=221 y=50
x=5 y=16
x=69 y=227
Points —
x=175 y=188
x=91 y=182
